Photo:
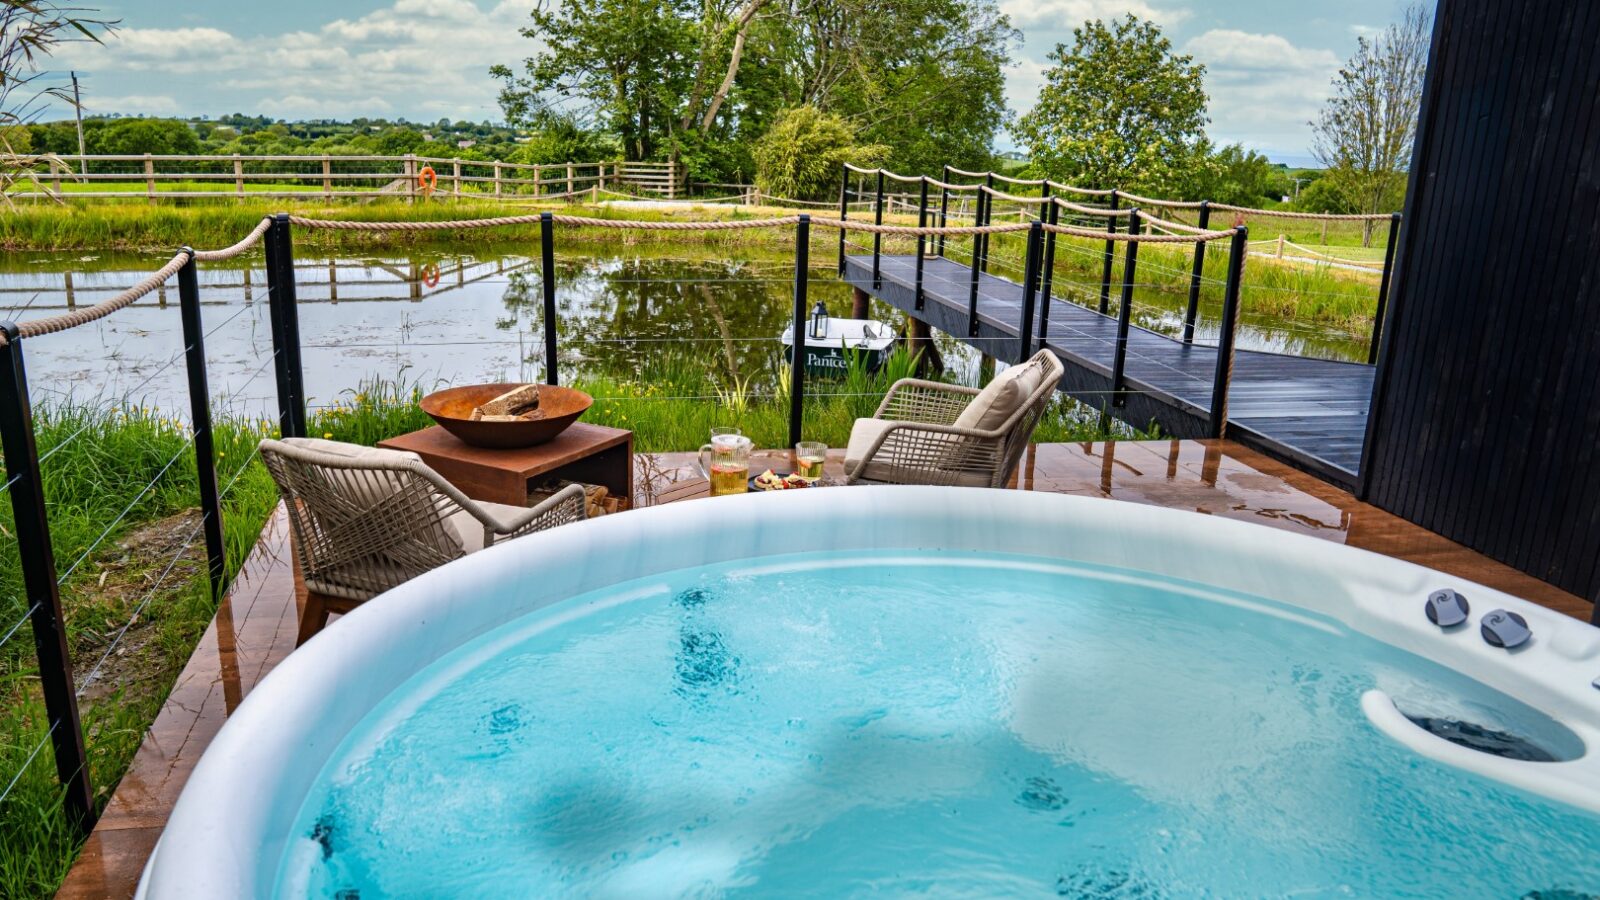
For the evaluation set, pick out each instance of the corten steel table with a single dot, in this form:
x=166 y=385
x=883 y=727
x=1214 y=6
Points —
x=592 y=454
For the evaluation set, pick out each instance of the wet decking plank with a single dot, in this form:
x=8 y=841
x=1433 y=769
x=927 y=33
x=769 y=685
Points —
x=1309 y=412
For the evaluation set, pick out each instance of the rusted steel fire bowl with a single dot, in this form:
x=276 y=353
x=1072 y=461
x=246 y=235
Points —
x=452 y=409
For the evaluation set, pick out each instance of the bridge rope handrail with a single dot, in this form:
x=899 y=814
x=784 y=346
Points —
x=1170 y=204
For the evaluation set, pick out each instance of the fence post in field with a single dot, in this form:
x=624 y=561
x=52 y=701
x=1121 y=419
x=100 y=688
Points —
x=194 y=340
x=844 y=209
x=238 y=175
x=327 y=177
x=409 y=168
x=672 y=179
x=1196 y=275
x=1238 y=247
x=797 y=359
x=1280 y=246
x=455 y=178
x=285 y=316
x=150 y=176
x=497 y=179
x=55 y=177
x=538 y=185
x=1110 y=258
x=1119 y=363
x=547 y=281
x=40 y=589
x=570 y=187
x=1383 y=289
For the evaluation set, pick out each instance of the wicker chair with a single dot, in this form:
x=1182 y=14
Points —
x=930 y=433
x=366 y=520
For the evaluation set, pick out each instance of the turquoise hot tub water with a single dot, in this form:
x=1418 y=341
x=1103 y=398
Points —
x=954 y=725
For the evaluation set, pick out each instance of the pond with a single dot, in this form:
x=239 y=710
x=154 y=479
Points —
x=439 y=314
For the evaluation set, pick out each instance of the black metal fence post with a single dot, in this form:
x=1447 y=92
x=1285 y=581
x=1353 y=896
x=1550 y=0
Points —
x=1047 y=273
x=877 y=236
x=797 y=362
x=1195 y=275
x=1030 y=290
x=972 y=284
x=205 y=467
x=284 y=313
x=547 y=279
x=1119 y=363
x=922 y=239
x=1110 y=258
x=1238 y=246
x=844 y=210
x=944 y=207
x=1383 y=288
x=986 y=215
x=32 y=534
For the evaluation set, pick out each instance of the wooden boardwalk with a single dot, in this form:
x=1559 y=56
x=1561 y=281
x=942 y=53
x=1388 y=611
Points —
x=1311 y=413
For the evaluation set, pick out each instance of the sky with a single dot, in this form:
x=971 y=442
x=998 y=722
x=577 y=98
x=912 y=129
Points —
x=1268 y=62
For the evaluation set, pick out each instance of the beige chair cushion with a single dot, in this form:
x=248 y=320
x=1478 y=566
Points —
x=1002 y=396
x=863 y=434
x=469 y=531
x=371 y=488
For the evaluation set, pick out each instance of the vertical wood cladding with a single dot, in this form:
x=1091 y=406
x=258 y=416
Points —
x=1485 y=423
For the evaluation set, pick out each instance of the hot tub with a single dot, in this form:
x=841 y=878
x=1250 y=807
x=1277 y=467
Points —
x=906 y=690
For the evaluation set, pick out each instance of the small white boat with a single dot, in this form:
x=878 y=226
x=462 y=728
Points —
x=846 y=337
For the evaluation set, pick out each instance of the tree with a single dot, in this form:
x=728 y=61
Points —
x=1119 y=109
x=1233 y=175
x=1364 y=134
x=800 y=157
x=133 y=136
x=29 y=31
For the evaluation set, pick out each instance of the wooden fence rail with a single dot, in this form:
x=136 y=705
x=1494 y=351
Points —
x=159 y=176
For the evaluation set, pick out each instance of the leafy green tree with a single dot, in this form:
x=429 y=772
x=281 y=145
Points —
x=1119 y=109
x=1232 y=175
x=1365 y=132
x=800 y=157
x=129 y=136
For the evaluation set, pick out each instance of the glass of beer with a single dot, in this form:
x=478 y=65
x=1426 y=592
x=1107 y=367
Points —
x=726 y=463
x=809 y=458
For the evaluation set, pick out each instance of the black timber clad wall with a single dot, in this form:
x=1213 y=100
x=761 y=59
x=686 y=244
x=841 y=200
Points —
x=1485 y=422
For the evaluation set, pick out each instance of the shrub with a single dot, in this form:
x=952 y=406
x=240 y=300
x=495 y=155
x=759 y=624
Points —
x=800 y=155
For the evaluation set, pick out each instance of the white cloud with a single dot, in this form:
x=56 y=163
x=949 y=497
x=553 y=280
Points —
x=128 y=104
x=1066 y=15
x=410 y=56
x=1225 y=49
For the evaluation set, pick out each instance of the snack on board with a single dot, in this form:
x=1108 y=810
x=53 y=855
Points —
x=772 y=481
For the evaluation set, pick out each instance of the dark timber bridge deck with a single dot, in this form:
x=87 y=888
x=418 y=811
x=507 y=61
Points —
x=1310 y=413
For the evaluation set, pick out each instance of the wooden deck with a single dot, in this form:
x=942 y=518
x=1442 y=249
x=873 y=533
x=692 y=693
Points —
x=254 y=629
x=1311 y=413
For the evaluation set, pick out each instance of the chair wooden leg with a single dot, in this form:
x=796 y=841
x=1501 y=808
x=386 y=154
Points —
x=312 y=618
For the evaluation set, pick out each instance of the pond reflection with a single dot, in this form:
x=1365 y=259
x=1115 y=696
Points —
x=435 y=314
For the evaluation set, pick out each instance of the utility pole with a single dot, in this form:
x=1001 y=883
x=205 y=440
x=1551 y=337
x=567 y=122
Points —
x=77 y=107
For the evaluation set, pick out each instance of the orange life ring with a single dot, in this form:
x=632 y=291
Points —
x=430 y=275
x=427 y=179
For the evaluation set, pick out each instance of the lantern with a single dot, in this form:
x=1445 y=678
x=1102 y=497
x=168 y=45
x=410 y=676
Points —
x=819 y=321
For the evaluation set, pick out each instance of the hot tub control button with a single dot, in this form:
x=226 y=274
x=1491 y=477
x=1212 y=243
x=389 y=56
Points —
x=1446 y=607
x=1505 y=629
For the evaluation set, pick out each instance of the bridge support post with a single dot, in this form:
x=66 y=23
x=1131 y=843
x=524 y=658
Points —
x=1047 y=276
x=1195 y=275
x=860 y=303
x=844 y=210
x=922 y=239
x=1383 y=288
x=547 y=282
x=1238 y=246
x=1030 y=281
x=986 y=212
x=1110 y=256
x=972 y=283
x=797 y=362
x=194 y=339
x=944 y=208
x=877 y=236
x=1119 y=362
